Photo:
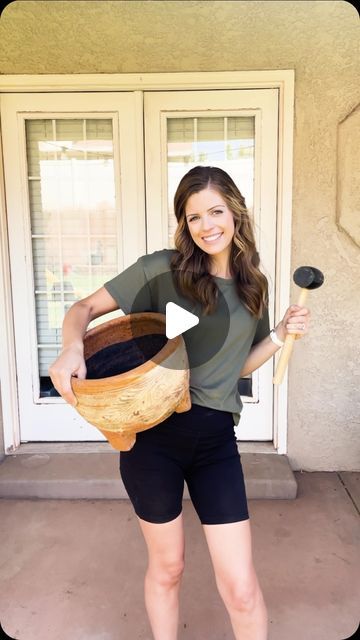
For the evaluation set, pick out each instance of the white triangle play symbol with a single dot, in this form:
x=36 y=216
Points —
x=178 y=320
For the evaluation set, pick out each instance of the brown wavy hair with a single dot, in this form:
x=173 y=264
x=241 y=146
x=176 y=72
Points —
x=190 y=265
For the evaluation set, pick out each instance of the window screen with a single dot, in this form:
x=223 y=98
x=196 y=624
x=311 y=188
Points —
x=73 y=220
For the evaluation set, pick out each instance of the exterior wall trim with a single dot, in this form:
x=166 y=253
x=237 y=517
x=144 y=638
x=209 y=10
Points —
x=281 y=79
x=146 y=81
x=10 y=413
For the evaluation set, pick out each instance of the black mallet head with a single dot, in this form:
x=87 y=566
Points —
x=308 y=277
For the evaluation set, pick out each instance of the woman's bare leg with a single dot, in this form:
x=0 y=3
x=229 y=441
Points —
x=166 y=547
x=231 y=554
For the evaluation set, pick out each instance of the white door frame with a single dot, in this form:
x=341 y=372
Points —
x=40 y=419
x=281 y=79
x=261 y=105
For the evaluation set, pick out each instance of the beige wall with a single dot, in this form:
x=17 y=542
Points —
x=320 y=41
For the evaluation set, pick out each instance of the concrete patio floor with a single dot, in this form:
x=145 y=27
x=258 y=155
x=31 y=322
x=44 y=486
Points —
x=73 y=569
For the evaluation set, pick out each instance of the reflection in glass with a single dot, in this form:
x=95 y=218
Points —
x=225 y=142
x=73 y=220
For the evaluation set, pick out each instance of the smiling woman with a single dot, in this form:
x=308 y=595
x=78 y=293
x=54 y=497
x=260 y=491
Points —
x=214 y=228
x=215 y=237
x=197 y=445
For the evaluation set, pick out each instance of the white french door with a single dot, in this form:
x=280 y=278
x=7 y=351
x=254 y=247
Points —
x=81 y=208
x=74 y=189
x=236 y=130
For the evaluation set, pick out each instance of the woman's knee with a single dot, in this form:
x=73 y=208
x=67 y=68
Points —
x=166 y=572
x=241 y=593
x=166 y=550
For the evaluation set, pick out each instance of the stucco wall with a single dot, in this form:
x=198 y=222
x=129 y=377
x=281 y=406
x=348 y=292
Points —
x=320 y=41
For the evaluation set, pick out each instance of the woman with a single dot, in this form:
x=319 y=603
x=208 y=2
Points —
x=215 y=257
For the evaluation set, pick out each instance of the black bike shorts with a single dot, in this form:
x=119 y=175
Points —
x=198 y=446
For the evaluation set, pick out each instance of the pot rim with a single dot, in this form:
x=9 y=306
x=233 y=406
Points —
x=128 y=377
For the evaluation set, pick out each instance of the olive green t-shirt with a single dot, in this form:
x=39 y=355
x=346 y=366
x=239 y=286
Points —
x=214 y=383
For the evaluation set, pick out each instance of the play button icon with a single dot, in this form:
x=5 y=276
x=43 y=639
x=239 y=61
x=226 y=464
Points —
x=178 y=320
x=204 y=335
x=184 y=316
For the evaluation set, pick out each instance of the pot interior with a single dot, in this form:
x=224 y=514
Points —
x=121 y=357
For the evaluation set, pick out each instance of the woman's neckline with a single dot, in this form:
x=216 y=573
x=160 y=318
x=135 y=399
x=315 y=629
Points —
x=224 y=279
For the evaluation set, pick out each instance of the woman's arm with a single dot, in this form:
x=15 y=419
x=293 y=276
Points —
x=259 y=354
x=292 y=322
x=70 y=361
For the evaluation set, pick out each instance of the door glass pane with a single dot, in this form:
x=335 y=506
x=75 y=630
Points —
x=225 y=142
x=73 y=221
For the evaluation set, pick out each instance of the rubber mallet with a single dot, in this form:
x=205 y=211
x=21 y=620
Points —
x=307 y=278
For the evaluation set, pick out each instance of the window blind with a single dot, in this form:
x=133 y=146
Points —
x=225 y=142
x=73 y=221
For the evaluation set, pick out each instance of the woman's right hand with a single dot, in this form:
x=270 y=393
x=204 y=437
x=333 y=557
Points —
x=70 y=362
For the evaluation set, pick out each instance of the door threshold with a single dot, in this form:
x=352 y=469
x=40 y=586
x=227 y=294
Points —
x=256 y=446
x=105 y=447
x=62 y=447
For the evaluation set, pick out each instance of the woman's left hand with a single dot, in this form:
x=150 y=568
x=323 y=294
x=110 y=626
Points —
x=295 y=321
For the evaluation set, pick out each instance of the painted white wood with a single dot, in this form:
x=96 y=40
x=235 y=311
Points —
x=283 y=79
x=283 y=273
x=51 y=418
x=257 y=416
x=10 y=417
x=271 y=78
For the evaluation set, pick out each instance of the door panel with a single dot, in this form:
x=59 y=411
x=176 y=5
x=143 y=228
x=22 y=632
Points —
x=237 y=131
x=77 y=220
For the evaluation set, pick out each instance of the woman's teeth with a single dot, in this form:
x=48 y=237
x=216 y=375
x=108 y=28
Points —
x=210 y=239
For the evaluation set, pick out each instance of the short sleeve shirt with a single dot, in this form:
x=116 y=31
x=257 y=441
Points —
x=214 y=383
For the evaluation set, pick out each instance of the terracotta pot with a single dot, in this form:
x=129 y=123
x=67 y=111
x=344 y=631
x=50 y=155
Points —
x=125 y=391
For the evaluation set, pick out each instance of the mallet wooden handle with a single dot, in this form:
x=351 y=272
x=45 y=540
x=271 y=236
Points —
x=288 y=345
